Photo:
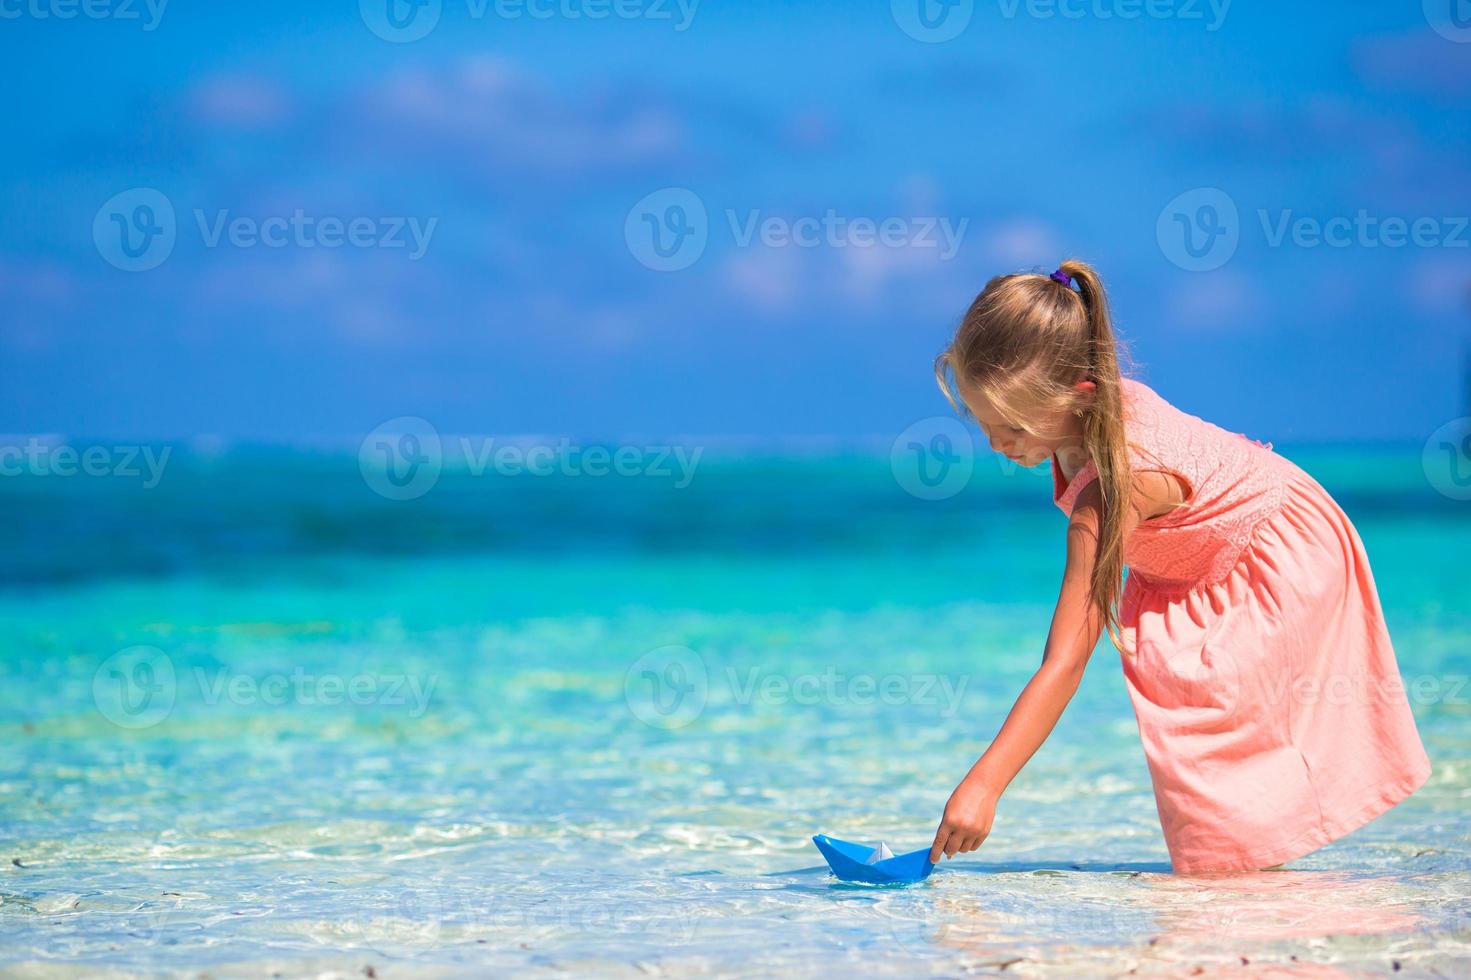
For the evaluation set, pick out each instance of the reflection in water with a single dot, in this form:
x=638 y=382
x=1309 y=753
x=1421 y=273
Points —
x=1043 y=919
x=1268 y=905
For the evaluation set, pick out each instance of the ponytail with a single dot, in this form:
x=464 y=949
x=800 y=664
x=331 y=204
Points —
x=1030 y=338
x=1106 y=443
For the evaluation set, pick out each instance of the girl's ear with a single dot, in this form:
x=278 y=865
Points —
x=1086 y=390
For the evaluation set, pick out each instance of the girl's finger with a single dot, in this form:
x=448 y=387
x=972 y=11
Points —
x=938 y=848
x=952 y=844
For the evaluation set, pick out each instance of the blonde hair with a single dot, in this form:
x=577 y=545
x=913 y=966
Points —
x=1028 y=339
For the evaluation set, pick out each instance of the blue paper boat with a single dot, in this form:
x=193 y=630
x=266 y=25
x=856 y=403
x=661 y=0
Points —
x=855 y=862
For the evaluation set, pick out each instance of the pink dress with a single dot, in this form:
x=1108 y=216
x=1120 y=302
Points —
x=1255 y=652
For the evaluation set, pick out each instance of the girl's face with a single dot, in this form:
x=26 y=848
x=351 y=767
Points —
x=1044 y=433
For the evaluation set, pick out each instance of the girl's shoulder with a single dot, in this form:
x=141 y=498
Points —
x=1159 y=438
x=1146 y=415
x=1141 y=402
x=1163 y=446
x=1151 y=421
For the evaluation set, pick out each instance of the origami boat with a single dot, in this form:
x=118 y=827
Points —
x=875 y=865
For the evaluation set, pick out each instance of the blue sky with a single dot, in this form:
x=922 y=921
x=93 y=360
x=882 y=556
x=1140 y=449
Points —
x=526 y=141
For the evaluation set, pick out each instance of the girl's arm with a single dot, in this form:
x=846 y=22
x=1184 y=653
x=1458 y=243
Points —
x=1076 y=625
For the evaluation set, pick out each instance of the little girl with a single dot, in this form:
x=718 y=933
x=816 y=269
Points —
x=1253 y=643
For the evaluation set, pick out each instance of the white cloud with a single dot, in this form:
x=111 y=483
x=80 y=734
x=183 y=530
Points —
x=239 y=100
x=1021 y=244
x=1215 y=300
x=1440 y=284
x=486 y=113
x=767 y=279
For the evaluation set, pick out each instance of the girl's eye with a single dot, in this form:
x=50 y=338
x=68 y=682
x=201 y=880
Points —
x=1014 y=430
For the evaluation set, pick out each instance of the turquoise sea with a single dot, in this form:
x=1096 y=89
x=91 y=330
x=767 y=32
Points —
x=261 y=720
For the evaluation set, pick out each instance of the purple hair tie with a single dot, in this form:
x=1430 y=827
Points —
x=1062 y=277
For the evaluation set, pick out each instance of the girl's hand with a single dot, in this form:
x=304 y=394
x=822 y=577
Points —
x=967 y=820
x=1076 y=626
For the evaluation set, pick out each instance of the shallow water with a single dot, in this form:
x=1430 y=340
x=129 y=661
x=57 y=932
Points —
x=259 y=719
